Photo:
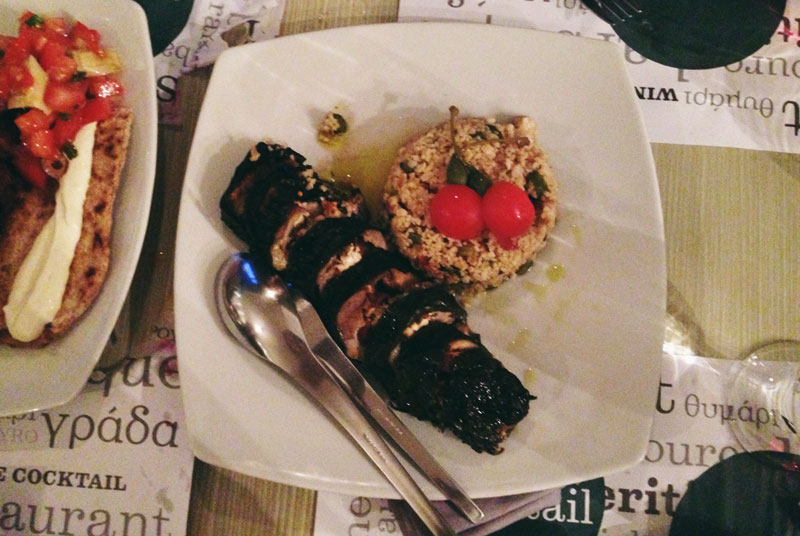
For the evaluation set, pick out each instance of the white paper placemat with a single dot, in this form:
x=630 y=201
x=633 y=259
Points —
x=751 y=104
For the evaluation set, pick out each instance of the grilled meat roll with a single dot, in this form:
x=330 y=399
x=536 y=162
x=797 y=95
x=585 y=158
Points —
x=407 y=331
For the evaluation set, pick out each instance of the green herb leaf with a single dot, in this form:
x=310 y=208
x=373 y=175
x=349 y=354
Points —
x=535 y=180
x=69 y=150
x=78 y=76
x=457 y=171
x=35 y=21
x=406 y=168
x=63 y=116
x=477 y=181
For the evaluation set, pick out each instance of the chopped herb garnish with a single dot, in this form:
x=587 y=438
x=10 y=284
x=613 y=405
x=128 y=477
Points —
x=494 y=130
x=406 y=168
x=535 y=180
x=478 y=181
x=78 y=76
x=35 y=21
x=458 y=171
x=64 y=116
x=341 y=124
x=2 y=54
x=69 y=150
x=415 y=238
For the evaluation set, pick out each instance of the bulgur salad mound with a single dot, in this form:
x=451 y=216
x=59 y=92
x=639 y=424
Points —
x=479 y=153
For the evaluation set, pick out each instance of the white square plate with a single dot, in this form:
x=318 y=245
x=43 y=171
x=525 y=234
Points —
x=588 y=345
x=53 y=375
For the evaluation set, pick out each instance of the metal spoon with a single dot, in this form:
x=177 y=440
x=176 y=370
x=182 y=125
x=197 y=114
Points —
x=325 y=348
x=260 y=313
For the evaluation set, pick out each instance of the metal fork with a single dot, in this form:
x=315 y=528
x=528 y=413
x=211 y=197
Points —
x=614 y=11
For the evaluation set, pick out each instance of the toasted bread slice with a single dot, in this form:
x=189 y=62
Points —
x=93 y=250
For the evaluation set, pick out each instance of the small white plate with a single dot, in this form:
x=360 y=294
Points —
x=53 y=375
x=588 y=346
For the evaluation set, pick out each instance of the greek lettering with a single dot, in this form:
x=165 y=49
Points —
x=115 y=423
x=706 y=413
x=748 y=413
x=145 y=431
x=73 y=433
x=691 y=405
x=729 y=416
x=54 y=431
x=173 y=430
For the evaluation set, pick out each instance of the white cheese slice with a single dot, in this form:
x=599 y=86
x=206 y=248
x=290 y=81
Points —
x=39 y=285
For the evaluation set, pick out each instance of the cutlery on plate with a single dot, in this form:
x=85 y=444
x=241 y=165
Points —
x=329 y=353
x=259 y=312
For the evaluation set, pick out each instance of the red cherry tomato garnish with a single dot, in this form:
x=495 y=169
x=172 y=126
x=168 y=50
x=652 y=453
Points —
x=507 y=210
x=455 y=211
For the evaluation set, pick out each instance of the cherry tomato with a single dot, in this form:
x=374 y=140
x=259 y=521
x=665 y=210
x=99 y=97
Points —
x=455 y=211
x=507 y=211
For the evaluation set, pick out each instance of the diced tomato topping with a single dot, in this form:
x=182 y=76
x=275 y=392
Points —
x=16 y=53
x=31 y=121
x=96 y=109
x=16 y=78
x=30 y=167
x=65 y=96
x=84 y=37
x=42 y=144
x=55 y=28
x=105 y=86
x=56 y=63
x=67 y=127
x=32 y=37
x=74 y=98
